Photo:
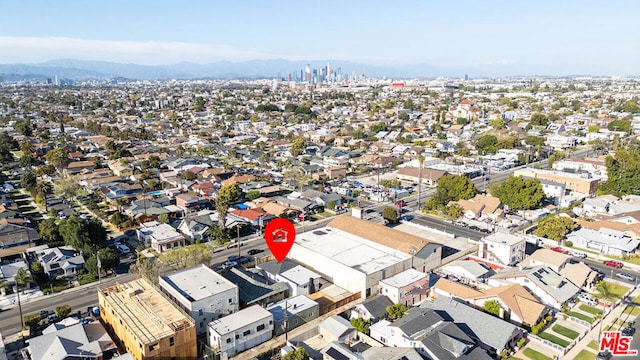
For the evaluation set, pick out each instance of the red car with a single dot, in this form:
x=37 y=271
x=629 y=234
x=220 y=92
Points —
x=560 y=250
x=401 y=203
x=613 y=263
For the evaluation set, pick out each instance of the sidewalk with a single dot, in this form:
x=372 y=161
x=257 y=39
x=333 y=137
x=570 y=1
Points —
x=11 y=300
x=594 y=334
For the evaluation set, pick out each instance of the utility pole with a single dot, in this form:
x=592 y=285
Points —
x=286 y=322
x=238 y=230
x=420 y=164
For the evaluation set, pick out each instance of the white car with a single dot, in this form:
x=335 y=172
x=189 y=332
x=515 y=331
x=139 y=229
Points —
x=587 y=299
x=626 y=276
x=579 y=254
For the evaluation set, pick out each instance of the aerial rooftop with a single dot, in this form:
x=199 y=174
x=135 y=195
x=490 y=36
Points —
x=147 y=313
x=198 y=282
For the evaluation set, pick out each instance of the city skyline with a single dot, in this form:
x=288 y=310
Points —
x=545 y=38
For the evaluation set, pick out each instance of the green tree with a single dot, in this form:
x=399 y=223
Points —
x=24 y=127
x=492 y=307
x=58 y=157
x=453 y=188
x=557 y=155
x=299 y=354
x=397 y=311
x=390 y=214
x=163 y=218
x=538 y=119
x=217 y=235
x=555 y=227
x=537 y=141
x=62 y=311
x=361 y=325
x=32 y=322
x=27 y=149
x=227 y=195
x=593 y=128
x=48 y=231
x=86 y=236
x=377 y=127
x=497 y=123
x=109 y=258
x=454 y=211
x=28 y=180
x=623 y=175
x=298 y=146
x=403 y=116
x=519 y=193
x=253 y=194
x=620 y=125
x=486 y=144
x=296 y=177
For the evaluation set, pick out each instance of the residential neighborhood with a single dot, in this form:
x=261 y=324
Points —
x=488 y=218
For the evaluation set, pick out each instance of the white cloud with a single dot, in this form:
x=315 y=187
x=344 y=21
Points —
x=38 y=49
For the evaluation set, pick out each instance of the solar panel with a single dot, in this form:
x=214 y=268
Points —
x=337 y=355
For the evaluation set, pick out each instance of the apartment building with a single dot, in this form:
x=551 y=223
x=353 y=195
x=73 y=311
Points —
x=146 y=322
x=202 y=293
x=241 y=331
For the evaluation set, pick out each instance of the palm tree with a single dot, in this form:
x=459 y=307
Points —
x=4 y=285
x=27 y=149
x=22 y=278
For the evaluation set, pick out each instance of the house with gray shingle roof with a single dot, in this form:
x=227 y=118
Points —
x=432 y=333
x=70 y=339
x=491 y=333
x=551 y=288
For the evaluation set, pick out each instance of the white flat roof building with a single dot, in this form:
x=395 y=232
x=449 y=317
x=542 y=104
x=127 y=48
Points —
x=242 y=330
x=202 y=293
x=349 y=261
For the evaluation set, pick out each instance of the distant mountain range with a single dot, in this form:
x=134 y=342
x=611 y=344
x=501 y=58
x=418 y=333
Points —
x=83 y=70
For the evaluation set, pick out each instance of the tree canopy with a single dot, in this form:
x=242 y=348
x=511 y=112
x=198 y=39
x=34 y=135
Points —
x=299 y=354
x=58 y=157
x=620 y=125
x=453 y=188
x=86 y=236
x=298 y=147
x=519 y=193
x=227 y=195
x=396 y=311
x=555 y=227
x=486 y=144
x=390 y=214
x=623 y=175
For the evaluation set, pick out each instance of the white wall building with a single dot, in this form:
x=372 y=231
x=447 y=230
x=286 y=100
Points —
x=241 y=331
x=349 y=261
x=506 y=249
x=202 y=293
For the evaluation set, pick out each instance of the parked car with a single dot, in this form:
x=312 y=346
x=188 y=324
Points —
x=255 y=251
x=401 y=203
x=587 y=299
x=604 y=355
x=628 y=331
x=123 y=249
x=44 y=314
x=579 y=254
x=613 y=263
x=626 y=276
x=559 y=250
x=233 y=258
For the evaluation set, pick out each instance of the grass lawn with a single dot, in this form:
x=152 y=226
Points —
x=535 y=355
x=322 y=215
x=585 y=355
x=637 y=300
x=572 y=334
x=56 y=285
x=554 y=339
x=615 y=292
x=593 y=344
x=590 y=309
x=631 y=310
x=581 y=316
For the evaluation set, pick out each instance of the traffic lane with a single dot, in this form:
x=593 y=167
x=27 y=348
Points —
x=78 y=300
x=609 y=271
x=635 y=341
x=448 y=227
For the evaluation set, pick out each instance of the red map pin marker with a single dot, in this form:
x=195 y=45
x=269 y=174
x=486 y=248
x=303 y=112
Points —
x=279 y=235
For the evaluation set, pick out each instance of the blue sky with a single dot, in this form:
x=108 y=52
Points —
x=597 y=37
